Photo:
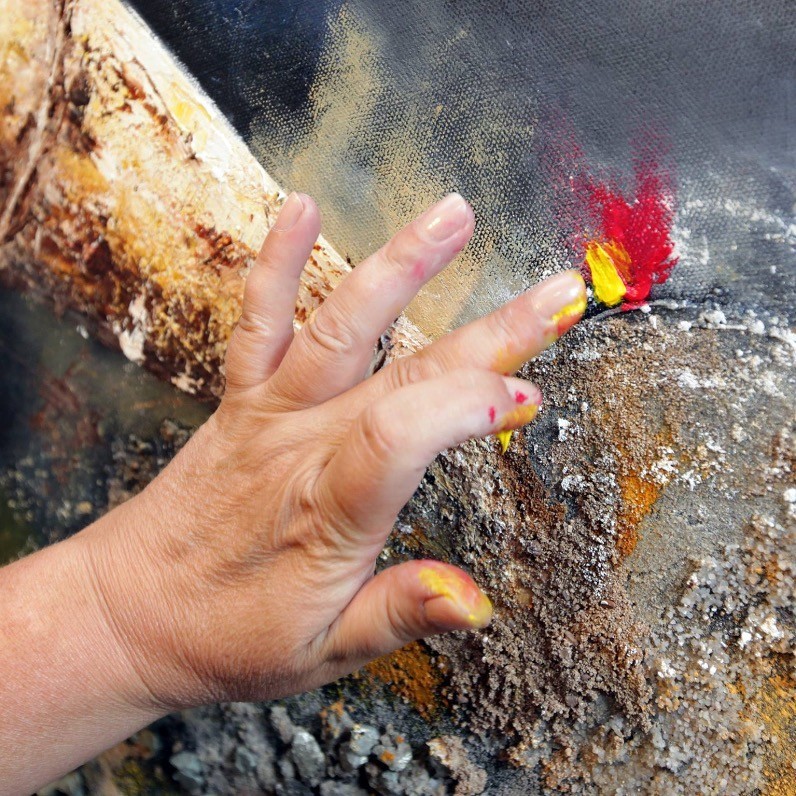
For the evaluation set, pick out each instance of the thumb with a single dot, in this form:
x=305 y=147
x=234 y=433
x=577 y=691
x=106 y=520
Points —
x=404 y=603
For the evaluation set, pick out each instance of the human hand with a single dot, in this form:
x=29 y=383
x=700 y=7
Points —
x=245 y=571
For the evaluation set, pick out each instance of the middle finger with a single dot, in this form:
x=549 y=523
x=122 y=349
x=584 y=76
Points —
x=332 y=351
x=501 y=341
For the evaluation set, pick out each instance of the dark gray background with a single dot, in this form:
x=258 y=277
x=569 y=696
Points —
x=488 y=98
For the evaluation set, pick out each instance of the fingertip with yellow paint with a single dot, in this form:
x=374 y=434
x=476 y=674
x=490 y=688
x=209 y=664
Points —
x=454 y=600
x=569 y=315
x=519 y=416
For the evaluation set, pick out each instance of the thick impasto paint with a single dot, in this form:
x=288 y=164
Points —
x=632 y=249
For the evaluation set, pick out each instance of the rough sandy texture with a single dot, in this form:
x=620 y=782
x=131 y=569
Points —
x=667 y=670
x=627 y=527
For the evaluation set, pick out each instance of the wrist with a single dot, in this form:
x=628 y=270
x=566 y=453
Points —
x=68 y=692
x=112 y=572
x=145 y=563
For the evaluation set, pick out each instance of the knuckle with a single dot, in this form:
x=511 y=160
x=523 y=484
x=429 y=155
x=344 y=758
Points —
x=401 y=253
x=378 y=432
x=253 y=323
x=328 y=333
x=328 y=515
x=265 y=265
x=258 y=281
x=413 y=369
x=501 y=324
x=400 y=624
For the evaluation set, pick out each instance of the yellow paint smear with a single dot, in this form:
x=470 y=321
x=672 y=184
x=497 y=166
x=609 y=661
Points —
x=516 y=418
x=577 y=307
x=505 y=439
x=775 y=703
x=605 y=263
x=466 y=596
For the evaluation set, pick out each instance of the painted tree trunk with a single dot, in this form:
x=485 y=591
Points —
x=125 y=195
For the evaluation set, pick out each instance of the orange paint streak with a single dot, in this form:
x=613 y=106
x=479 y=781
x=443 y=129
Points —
x=776 y=705
x=413 y=675
x=638 y=497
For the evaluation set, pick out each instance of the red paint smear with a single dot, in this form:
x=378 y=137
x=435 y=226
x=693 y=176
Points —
x=588 y=208
x=642 y=226
x=491 y=414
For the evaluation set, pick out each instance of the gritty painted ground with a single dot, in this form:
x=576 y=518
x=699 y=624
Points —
x=644 y=629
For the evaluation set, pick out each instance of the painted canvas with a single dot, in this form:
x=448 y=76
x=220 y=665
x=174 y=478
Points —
x=638 y=539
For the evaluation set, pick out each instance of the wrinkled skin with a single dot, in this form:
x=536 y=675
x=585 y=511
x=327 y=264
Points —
x=245 y=571
x=264 y=531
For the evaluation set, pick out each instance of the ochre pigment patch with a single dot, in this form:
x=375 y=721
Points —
x=776 y=706
x=414 y=675
x=638 y=497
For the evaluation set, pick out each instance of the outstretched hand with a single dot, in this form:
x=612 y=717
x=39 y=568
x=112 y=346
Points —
x=246 y=569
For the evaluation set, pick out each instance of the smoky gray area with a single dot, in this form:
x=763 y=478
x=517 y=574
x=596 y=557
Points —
x=377 y=107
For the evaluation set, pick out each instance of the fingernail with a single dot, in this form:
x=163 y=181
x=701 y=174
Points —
x=460 y=601
x=290 y=213
x=445 y=218
x=562 y=301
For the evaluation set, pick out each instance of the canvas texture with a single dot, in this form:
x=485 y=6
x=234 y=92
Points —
x=378 y=107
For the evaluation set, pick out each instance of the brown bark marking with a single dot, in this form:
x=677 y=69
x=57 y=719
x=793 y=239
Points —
x=44 y=129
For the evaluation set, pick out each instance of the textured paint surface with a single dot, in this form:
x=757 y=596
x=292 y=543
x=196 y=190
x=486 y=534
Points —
x=603 y=263
x=639 y=545
x=634 y=249
x=377 y=107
